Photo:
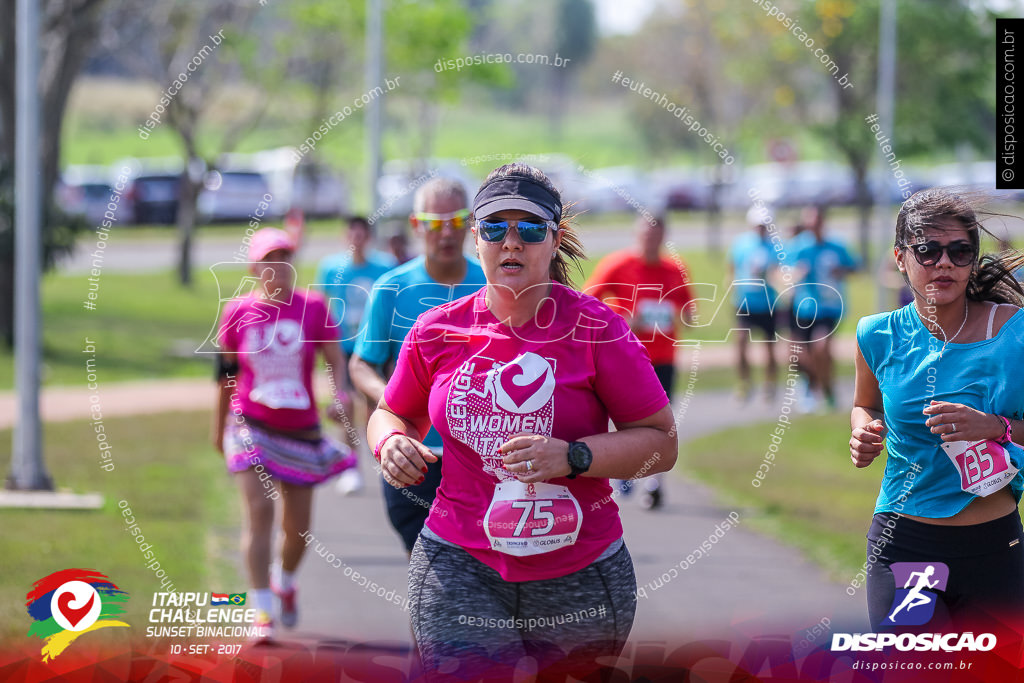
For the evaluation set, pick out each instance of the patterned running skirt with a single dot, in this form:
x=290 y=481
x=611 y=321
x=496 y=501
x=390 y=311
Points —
x=296 y=461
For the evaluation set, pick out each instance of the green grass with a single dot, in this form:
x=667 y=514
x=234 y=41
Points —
x=146 y=326
x=719 y=378
x=812 y=497
x=177 y=488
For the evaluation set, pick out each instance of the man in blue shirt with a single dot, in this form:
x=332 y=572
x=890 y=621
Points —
x=346 y=278
x=821 y=267
x=441 y=219
x=751 y=261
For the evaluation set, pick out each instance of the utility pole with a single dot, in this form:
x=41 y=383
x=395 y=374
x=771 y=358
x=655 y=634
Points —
x=374 y=76
x=28 y=471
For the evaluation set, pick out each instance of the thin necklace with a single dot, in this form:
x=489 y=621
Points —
x=945 y=339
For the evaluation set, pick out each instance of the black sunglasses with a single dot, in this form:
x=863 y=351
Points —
x=961 y=253
x=531 y=231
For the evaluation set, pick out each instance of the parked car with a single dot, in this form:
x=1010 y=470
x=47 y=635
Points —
x=401 y=177
x=681 y=189
x=154 y=197
x=568 y=175
x=319 y=191
x=797 y=184
x=233 y=196
x=86 y=191
x=619 y=188
x=977 y=175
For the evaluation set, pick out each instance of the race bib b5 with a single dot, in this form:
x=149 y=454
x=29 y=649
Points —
x=984 y=466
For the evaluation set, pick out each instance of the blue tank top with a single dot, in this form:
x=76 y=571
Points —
x=905 y=358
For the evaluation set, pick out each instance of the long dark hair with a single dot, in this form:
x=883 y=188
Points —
x=992 y=275
x=570 y=251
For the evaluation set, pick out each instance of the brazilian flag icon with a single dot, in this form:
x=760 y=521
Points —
x=237 y=598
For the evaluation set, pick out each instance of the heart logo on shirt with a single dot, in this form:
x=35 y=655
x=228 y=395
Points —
x=288 y=336
x=525 y=384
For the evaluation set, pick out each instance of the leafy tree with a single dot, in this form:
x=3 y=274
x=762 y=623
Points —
x=68 y=29
x=420 y=38
x=575 y=40
x=219 y=31
x=943 y=80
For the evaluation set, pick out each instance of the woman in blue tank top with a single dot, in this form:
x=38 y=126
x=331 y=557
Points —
x=938 y=386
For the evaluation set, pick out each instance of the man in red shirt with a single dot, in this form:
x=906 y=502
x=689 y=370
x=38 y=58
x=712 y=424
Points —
x=652 y=292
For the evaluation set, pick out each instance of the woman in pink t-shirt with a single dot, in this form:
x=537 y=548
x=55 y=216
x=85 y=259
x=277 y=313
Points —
x=522 y=554
x=267 y=424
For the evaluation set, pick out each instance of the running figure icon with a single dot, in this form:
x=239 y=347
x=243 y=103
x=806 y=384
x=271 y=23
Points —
x=916 y=597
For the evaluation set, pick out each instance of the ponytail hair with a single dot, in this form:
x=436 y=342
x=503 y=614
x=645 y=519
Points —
x=570 y=254
x=992 y=275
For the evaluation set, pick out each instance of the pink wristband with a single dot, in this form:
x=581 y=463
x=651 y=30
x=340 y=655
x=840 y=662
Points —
x=1008 y=434
x=380 y=444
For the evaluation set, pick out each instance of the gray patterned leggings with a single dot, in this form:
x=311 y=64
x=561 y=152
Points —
x=470 y=623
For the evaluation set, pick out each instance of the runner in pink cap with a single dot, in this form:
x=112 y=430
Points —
x=266 y=240
x=522 y=554
x=267 y=424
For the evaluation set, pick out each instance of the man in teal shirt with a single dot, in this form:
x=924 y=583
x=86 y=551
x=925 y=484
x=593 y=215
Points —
x=346 y=279
x=821 y=267
x=751 y=262
x=441 y=219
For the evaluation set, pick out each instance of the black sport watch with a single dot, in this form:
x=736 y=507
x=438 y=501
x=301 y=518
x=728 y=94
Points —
x=580 y=458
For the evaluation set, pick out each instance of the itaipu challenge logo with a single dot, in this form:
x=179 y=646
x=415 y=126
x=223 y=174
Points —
x=71 y=602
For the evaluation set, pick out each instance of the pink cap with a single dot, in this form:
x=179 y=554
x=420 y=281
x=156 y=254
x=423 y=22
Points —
x=266 y=240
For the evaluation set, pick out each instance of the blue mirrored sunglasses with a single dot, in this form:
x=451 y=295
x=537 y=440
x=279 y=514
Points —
x=532 y=231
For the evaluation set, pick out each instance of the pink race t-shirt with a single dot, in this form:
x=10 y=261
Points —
x=276 y=345
x=480 y=382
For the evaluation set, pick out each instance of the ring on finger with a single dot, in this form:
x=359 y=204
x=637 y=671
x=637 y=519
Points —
x=529 y=466
x=953 y=425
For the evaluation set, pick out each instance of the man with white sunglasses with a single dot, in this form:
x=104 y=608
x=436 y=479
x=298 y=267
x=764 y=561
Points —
x=440 y=218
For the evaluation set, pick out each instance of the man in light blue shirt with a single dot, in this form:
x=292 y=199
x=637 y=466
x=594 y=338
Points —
x=821 y=266
x=346 y=278
x=441 y=219
x=751 y=261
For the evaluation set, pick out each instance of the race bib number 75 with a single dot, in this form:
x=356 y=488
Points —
x=984 y=466
x=530 y=519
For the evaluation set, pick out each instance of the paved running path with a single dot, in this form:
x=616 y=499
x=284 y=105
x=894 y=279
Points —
x=747 y=584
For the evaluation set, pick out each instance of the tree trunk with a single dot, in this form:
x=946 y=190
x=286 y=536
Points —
x=427 y=119
x=7 y=104
x=7 y=301
x=558 y=102
x=189 y=194
x=714 y=235
x=67 y=32
x=864 y=204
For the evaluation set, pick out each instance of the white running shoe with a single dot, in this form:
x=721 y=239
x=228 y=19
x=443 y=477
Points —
x=349 y=482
